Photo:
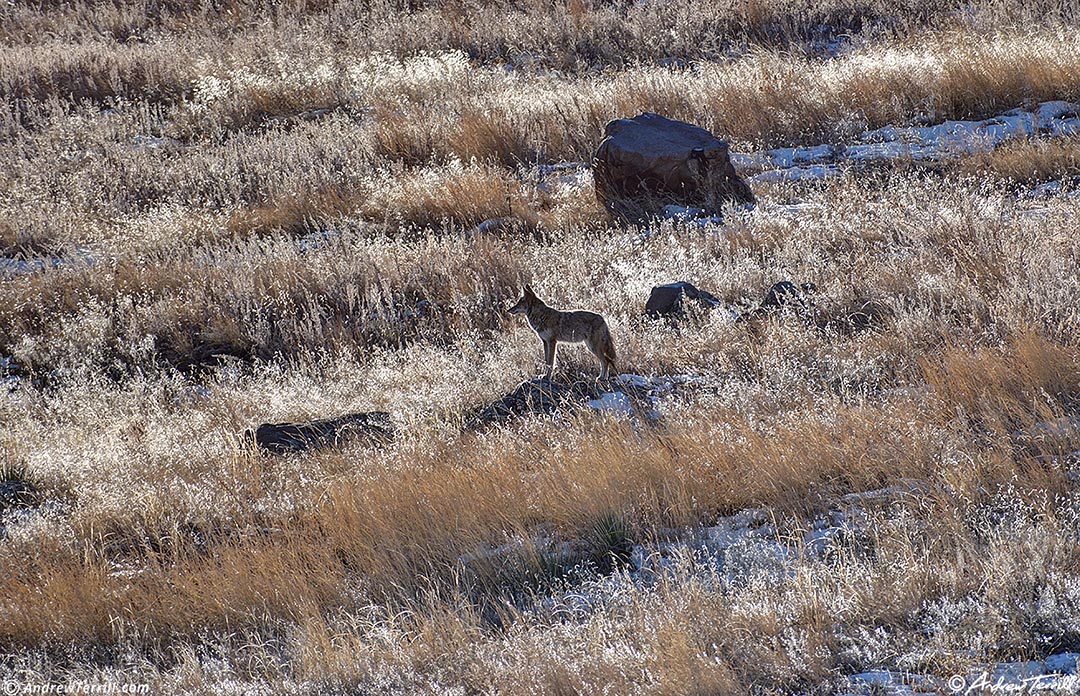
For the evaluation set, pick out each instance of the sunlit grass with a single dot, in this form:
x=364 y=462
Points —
x=263 y=214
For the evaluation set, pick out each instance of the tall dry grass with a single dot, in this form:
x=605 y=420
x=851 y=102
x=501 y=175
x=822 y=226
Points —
x=251 y=212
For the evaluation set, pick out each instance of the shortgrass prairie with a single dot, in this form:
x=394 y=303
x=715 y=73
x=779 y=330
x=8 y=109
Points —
x=221 y=214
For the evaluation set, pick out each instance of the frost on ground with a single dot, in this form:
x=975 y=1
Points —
x=1057 y=674
x=753 y=548
x=915 y=143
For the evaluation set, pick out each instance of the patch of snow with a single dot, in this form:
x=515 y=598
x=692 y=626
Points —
x=1017 y=672
x=152 y=142
x=679 y=212
x=1063 y=663
x=920 y=143
x=317 y=239
x=881 y=681
x=1047 y=189
x=690 y=215
x=821 y=538
x=814 y=172
x=617 y=403
x=489 y=225
x=12 y=266
x=562 y=177
x=634 y=380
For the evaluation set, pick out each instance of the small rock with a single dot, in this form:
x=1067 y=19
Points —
x=15 y=494
x=785 y=294
x=667 y=300
x=540 y=396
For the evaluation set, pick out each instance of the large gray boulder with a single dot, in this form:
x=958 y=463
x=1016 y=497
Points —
x=649 y=161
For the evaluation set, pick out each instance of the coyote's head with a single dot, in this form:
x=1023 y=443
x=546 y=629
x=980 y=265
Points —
x=528 y=299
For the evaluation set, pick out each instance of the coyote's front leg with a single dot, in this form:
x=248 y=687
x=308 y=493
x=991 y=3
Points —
x=549 y=356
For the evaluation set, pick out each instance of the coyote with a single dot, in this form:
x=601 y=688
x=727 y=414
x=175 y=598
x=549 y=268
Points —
x=552 y=326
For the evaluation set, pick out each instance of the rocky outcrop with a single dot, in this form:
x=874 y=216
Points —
x=649 y=161
x=625 y=396
x=541 y=395
x=282 y=438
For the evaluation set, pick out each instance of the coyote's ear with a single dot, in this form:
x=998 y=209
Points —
x=529 y=291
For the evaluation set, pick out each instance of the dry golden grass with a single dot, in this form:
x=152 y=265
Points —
x=253 y=212
x=1028 y=162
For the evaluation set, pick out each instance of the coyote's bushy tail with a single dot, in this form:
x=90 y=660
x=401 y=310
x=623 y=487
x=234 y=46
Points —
x=607 y=347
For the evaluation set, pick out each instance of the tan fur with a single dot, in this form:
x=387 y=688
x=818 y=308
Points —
x=553 y=325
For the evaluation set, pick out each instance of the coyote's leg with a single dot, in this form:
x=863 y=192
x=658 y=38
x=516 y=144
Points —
x=549 y=356
x=597 y=349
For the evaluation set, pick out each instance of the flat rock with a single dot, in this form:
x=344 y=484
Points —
x=539 y=396
x=282 y=438
x=1063 y=663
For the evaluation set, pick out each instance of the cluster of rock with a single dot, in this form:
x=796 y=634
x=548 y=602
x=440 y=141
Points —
x=668 y=300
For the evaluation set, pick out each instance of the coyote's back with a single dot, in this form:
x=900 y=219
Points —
x=577 y=326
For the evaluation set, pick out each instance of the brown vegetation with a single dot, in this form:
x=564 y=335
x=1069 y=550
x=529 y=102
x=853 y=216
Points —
x=257 y=212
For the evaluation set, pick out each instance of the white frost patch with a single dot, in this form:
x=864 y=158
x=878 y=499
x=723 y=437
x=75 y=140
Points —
x=652 y=389
x=616 y=403
x=1063 y=663
x=562 y=178
x=696 y=216
x=153 y=142
x=634 y=380
x=10 y=266
x=1056 y=674
x=14 y=266
x=812 y=172
x=920 y=143
x=881 y=681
